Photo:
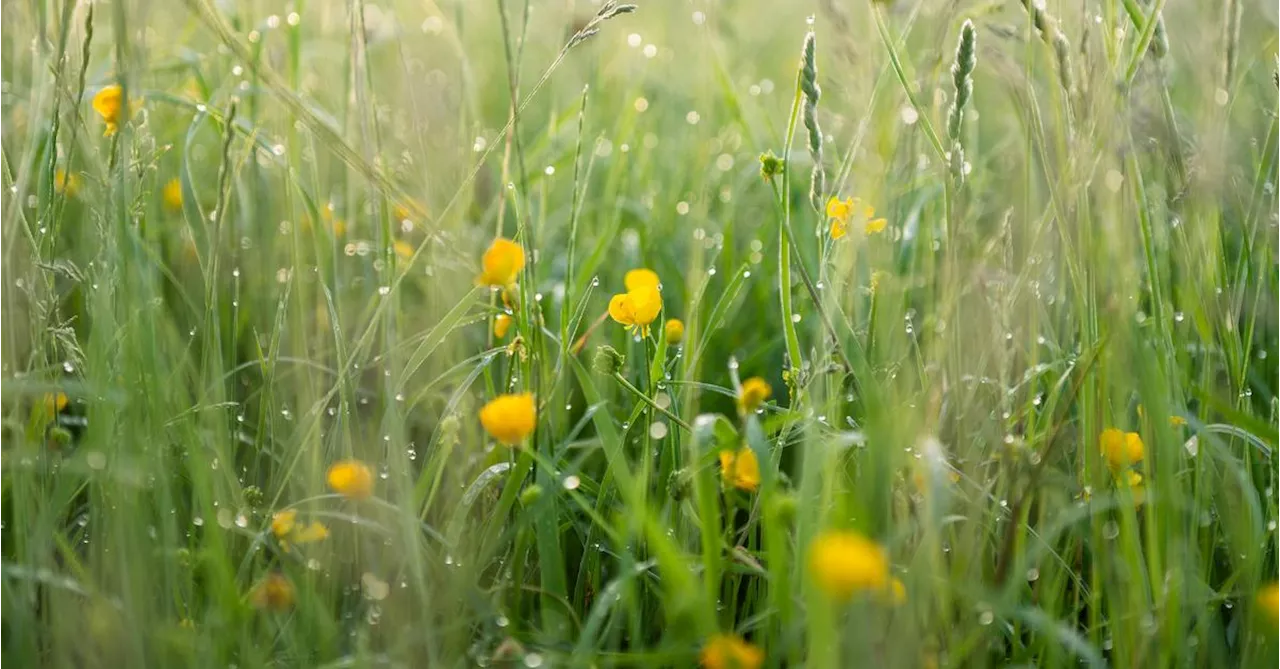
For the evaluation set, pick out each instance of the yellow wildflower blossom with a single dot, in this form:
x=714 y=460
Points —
x=108 y=102
x=842 y=212
x=1120 y=449
x=285 y=527
x=741 y=469
x=404 y=250
x=727 y=651
x=674 y=330
x=755 y=391
x=172 y=195
x=351 y=479
x=844 y=563
x=501 y=324
x=637 y=308
x=501 y=263
x=54 y=403
x=66 y=183
x=638 y=278
x=1268 y=600
x=510 y=418
x=274 y=593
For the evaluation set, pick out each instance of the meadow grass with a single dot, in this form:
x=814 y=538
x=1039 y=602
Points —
x=270 y=269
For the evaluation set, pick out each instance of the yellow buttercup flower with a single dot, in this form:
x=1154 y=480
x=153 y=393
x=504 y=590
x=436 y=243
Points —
x=351 y=479
x=639 y=278
x=897 y=591
x=285 y=527
x=54 y=403
x=637 y=308
x=501 y=324
x=842 y=212
x=1269 y=602
x=172 y=195
x=510 y=418
x=1120 y=449
x=727 y=651
x=1137 y=488
x=741 y=469
x=66 y=183
x=755 y=391
x=501 y=263
x=404 y=250
x=844 y=563
x=274 y=593
x=674 y=331
x=109 y=103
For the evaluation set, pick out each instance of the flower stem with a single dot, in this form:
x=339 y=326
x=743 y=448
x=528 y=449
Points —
x=647 y=400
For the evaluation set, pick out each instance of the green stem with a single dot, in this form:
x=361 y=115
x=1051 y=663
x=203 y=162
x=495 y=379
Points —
x=784 y=240
x=647 y=400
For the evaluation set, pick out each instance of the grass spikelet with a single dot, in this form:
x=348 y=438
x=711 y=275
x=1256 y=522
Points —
x=962 y=79
x=813 y=93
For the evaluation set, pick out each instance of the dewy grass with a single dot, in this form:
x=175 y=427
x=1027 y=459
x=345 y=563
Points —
x=276 y=422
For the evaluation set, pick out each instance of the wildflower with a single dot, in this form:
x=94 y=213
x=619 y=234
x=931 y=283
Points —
x=54 y=403
x=107 y=103
x=1120 y=449
x=1177 y=421
x=351 y=479
x=510 y=418
x=771 y=166
x=844 y=563
x=501 y=324
x=841 y=212
x=727 y=651
x=274 y=593
x=674 y=330
x=172 y=195
x=1133 y=481
x=755 y=391
x=1268 y=599
x=284 y=525
x=336 y=225
x=741 y=469
x=501 y=263
x=66 y=183
x=404 y=250
x=636 y=308
x=897 y=591
x=638 y=278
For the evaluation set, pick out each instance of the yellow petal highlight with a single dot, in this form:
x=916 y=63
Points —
x=755 y=391
x=1120 y=449
x=741 y=469
x=674 y=331
x=501 y=324
x=172 y=195
x=640 y=278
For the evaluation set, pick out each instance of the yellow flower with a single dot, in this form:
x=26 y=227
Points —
x=501 y=263
x=638 y=278
x=351 y=479
x=755 y=391
x=66 y=183
x=500 y=326
x=841 y=212
x=108 y=103
x=845 y=563
x=336 y=225
x=740 y=470
x=637 y=308
x=404 y=250
x=283 y=522
x=1120 y=449
x=1269 y=602
x=285 y=527
x=727 y=651
x=674 y=331
x=173 y=195
x=1177 y=421
x=54 y=403
x=510 y=418
x=897 y=591
x=274 y=593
